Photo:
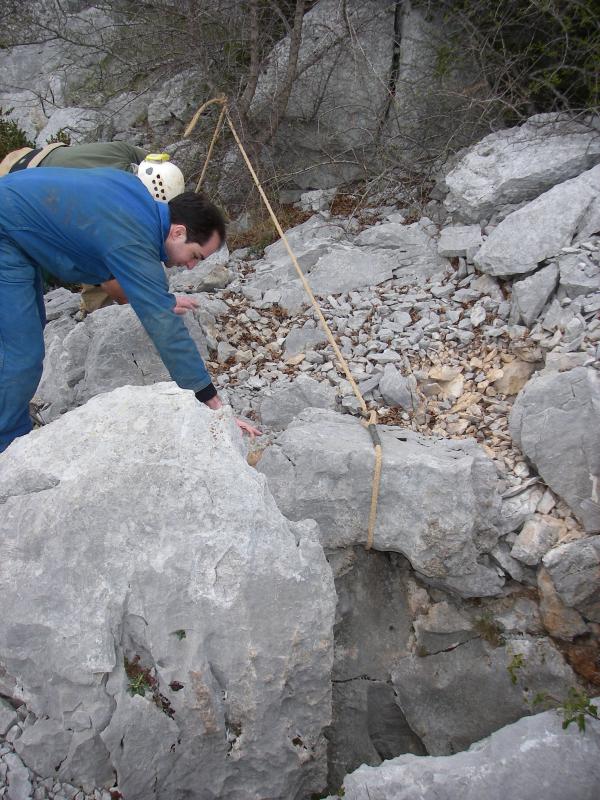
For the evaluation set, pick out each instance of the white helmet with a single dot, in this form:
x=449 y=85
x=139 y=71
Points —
x=162 y=179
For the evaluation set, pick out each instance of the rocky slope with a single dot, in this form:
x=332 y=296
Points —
x=474 y=331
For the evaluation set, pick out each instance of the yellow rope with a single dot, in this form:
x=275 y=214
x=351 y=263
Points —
x=212 y=144
x=372 y=417
x=194 y=120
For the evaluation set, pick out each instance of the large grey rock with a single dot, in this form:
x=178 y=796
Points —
x=397 y=390
x=8 y=717
x=288 y=398
x=543 y=227
x=437 y=504
x=538 y=535
x=316 y=116
x=339 y=102
x=80 y=124
x=174 y=98
x=110 y=348
x=414 y=247
x=518 y=164
x=142 y=532
x=308 y=242
x=345 y=268
x=459 y=240
x=559 y=620
x=202 y=278
x=372 y=631
x=18 y=778
x=451 y=699
x=333 y=265
x=575 y=571
x=530 y=295
x=578 y=274
x=39 y=78
x=44 y=745
x=61 y=301
x=530 y=759
x=315 y=234
x=556 y=422
x=442 y=628
x=206 y=276
x=66 y=345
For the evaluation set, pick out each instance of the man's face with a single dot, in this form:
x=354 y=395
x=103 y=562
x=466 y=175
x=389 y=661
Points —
x=181 y=253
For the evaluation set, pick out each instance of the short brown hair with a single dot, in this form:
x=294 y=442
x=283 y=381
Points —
x=200 y=217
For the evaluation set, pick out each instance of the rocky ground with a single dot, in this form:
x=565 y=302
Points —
x=443 y=359
x=473 y=330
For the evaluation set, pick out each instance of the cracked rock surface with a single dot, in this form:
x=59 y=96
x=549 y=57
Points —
x=144 y=647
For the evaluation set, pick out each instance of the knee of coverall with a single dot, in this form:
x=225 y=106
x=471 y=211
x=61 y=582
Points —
x=15 y=393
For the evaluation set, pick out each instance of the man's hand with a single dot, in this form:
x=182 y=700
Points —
x=246 y=427
x=184 y=303
x=215 y=403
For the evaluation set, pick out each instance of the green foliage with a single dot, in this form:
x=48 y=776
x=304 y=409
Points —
x=443 y=60
x=517 y=662
x=536 y=55
x=487 y=627
x=141 y=680
x=59 y=136
x=11 y=136
x=576 y=707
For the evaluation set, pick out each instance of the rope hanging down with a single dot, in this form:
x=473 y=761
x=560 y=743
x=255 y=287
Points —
x=369 y=417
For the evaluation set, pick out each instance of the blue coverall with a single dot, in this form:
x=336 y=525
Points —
x=83 y=226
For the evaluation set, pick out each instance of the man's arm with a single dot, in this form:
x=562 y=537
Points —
x=143 y=280
x=115 y=291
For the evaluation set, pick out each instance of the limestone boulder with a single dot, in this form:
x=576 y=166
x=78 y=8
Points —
x=529 y=759
x=206 y=276
x=373 y=625
x=39 y=78
x=556 y=422
x=530 y=295
x=61 y=301
x=333 y=264
x=437 y=505
x=110 y=348
x=338 y=106
x=414 y=247
x=456 y=697
x=442 y=628
x=520 y=163
x=81 y=124
x=345 y=268
x=285 y=400
x=574 y=568
x=537 y=536
x=539 y=230
x=560 y=621
x=459 y=241
x=162 y=621
x=579 y=275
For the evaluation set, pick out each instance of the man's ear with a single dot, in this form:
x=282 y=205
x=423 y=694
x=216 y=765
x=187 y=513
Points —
x=176 y=231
